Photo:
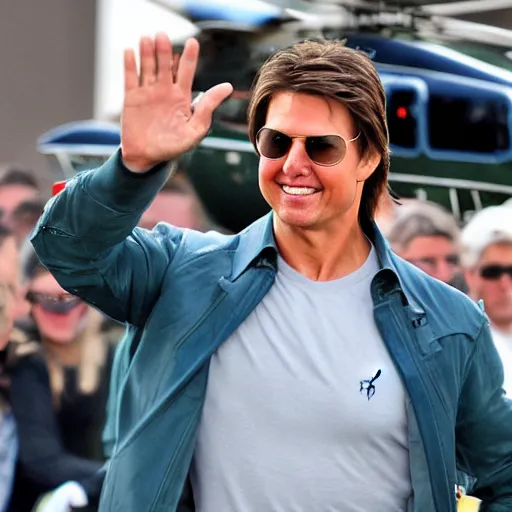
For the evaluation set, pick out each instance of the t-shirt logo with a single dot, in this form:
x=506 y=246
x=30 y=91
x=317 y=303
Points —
x=367 y=387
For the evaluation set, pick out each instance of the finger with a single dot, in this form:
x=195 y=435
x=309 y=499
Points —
x=131 y=78
x=147 y=61
x=203 y=111
x=188 y=64
x=164 y=57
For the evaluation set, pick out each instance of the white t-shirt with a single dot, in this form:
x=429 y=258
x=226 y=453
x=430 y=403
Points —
x=289 y=423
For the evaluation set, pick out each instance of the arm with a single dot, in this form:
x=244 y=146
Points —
x=82 y=235
x=42 y=456
x=86 y=238
x=483 y=431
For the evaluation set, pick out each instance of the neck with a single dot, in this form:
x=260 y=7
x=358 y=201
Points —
x=323 y=254
x=503 y=327
x=66 y=354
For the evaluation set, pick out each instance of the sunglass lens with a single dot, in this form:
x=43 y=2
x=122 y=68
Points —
x=59 y=307
x=326 y=150
x=492 y=271
x=273 y=144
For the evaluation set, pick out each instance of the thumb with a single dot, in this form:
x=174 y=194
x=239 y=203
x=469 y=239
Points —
x=203 y=111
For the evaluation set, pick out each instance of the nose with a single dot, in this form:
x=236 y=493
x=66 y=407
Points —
x=505 y=282
x=297 y=162
x=444 y=271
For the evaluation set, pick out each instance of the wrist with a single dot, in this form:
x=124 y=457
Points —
x=137 y=166
x=135 y=163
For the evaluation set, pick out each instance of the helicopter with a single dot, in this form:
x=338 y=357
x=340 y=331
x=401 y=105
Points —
x=448 y=85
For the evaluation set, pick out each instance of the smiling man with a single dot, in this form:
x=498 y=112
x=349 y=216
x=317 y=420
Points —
x=299 y=365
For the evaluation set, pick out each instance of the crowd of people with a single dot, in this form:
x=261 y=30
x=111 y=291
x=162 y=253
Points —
x=58 y=379
x=56 y=351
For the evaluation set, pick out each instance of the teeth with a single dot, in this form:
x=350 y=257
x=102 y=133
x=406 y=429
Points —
x=299 y=191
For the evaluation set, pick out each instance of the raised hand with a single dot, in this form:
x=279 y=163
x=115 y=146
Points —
x=158 y=123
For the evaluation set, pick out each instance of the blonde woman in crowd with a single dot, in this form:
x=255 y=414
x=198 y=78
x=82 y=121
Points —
x=12 y=348
x=59 y=394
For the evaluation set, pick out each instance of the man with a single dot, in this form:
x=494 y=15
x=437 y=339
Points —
x=428 y=236
x=17 y=185
x=178 y=204
x=298 y=365
x=24 y=218
x=487 y=259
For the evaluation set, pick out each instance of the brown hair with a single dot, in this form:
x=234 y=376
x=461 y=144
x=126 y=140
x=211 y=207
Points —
x=17 y=175
x=330 y=69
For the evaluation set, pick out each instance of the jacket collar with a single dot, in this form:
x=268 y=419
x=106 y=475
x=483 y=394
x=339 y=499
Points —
x=255 y=240
x=257 y=244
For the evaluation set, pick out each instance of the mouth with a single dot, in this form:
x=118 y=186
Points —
x=299 y=191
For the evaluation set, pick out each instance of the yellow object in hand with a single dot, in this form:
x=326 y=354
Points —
x=468 y=503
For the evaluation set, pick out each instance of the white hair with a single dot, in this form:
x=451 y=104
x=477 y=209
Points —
x=492 y=225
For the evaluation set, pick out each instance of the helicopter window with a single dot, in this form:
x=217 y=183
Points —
x=468 y=124
x=234 y=110
x=402 y=123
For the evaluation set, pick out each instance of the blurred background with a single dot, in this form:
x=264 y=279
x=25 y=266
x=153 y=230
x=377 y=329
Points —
x=447 y=71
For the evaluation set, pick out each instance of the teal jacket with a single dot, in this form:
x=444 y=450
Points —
x=181 y=293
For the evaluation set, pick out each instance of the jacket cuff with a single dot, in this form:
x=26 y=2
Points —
x=117 y=188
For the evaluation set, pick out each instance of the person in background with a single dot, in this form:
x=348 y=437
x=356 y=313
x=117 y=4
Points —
x=428 y=236
x=17 y=185
x=12 y=347
x=24 y=217
x=59 y=394
x=177 y=203
x=487 y=261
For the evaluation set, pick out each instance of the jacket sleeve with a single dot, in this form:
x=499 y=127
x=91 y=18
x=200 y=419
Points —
x=87 y=238
x=42 y=455
x=484 y=427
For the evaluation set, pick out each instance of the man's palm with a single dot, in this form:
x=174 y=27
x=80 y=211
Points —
x=158 y=123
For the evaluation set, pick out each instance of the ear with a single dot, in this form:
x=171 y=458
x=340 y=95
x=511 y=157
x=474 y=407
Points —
x=368 y=164
x=471 y=278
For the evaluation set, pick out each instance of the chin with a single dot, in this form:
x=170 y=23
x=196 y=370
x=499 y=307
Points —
x=299 y=220
x=61 y=338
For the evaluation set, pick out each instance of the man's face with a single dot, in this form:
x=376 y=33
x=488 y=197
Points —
x=176 y=208
x=491 y=281
x=302 y=193
x=436 y=255
x=12 y=196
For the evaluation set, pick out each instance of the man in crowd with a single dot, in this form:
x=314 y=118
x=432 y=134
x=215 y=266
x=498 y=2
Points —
x=177 y=203
x=487 y=259
x=17 y=185
x=297 y=365
x=428 y=236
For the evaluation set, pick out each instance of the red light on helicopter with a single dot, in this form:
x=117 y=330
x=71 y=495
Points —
x=57 y=187
x=401 y=112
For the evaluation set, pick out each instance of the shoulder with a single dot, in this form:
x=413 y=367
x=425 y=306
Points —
x=187 y=240
x=449 y=310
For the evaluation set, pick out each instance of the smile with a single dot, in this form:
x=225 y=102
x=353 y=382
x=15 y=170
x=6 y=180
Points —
x=299 y=191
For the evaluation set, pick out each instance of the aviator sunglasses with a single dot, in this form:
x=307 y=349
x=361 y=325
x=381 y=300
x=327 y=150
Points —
x=324 y=150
